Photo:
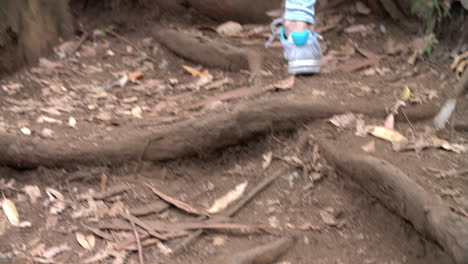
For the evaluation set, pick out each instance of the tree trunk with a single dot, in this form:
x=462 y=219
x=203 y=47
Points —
x=29 y=29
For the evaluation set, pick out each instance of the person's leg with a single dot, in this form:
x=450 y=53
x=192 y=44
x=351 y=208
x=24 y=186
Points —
x=300 y=42
x=299 y=15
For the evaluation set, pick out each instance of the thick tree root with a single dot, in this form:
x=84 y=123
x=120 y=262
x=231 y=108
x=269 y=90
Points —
x=402 y=195
x=186 y=138
x=263 y=254
x=208 y=52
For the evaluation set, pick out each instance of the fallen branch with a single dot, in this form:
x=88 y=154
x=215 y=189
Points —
x=399 y=193
x=177 y=203
x=137 y=238
x=200 y=135
x=264 y=254
x=111 y=192
x=152 y=208
x=143 y=225
x=181 y=228
x=234 y=210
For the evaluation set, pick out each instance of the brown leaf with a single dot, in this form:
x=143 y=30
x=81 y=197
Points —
x=362 y=8
x=328 y=218
x=179 y=204
x=229 y=28
x=134 y=76
x=267 y=157
x=285 y=84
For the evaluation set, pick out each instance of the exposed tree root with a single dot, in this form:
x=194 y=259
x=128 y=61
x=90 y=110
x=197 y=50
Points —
x=263 y=254
x=427 y=212
x=186 y=138
x=208 y=52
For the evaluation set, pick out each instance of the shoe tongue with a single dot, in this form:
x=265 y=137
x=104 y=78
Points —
x=300 y=38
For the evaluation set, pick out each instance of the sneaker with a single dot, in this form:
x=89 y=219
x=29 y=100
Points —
x=301 y=49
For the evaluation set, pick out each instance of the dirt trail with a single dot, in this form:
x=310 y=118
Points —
x=103 y=124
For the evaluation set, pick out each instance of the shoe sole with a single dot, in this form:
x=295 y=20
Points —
x=303 y=67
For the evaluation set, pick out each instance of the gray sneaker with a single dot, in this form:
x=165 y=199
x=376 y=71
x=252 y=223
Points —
x=301 y=49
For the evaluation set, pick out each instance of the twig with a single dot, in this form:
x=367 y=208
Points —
x=143 y=225
x=124 y=39
x=137 y=238
x=232 y=212
x=177 y=203
x=83 y=38
x=409 y=122
x=110 y=192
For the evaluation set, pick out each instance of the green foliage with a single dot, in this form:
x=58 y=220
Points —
x=435 y=13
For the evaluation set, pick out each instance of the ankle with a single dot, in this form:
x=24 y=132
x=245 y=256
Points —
x=296 y=26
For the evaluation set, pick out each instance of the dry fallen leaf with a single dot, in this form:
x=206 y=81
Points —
x=87 y=242
x=137 y=112
x=54 y=251
x=218 y=241
x=390 y=135
x=192 y=71
x=46 y=119
x=362 y=8
x=9 y=208
x=54 y=194
x=357 y=29
x=165 y=250
x=328 y=218
x=33 y=192
x=134 y=76
x=72 y=122
x=444 y=144
x=45 y=63
x=229 y=28
x=267 y=157
x=26 y=131
x=285 y=84
x=47 y=133
x=38 y=250
x=223 y=202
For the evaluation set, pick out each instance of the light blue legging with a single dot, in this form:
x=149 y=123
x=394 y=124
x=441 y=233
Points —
x=300 y=10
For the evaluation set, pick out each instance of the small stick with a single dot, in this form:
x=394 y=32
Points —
x=124 y=39
x=83 y=38
x=409 y=122
x=110 y=192
x=143 y=225
x=137 y=238
x=232 y=212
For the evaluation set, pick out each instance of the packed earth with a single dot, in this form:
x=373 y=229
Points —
x=185 y=141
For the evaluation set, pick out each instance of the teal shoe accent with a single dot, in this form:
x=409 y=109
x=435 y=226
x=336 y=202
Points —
x=300 y=38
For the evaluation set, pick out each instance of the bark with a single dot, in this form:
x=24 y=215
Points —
x=402 y=195
x=29 y=29
x=187 y=138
